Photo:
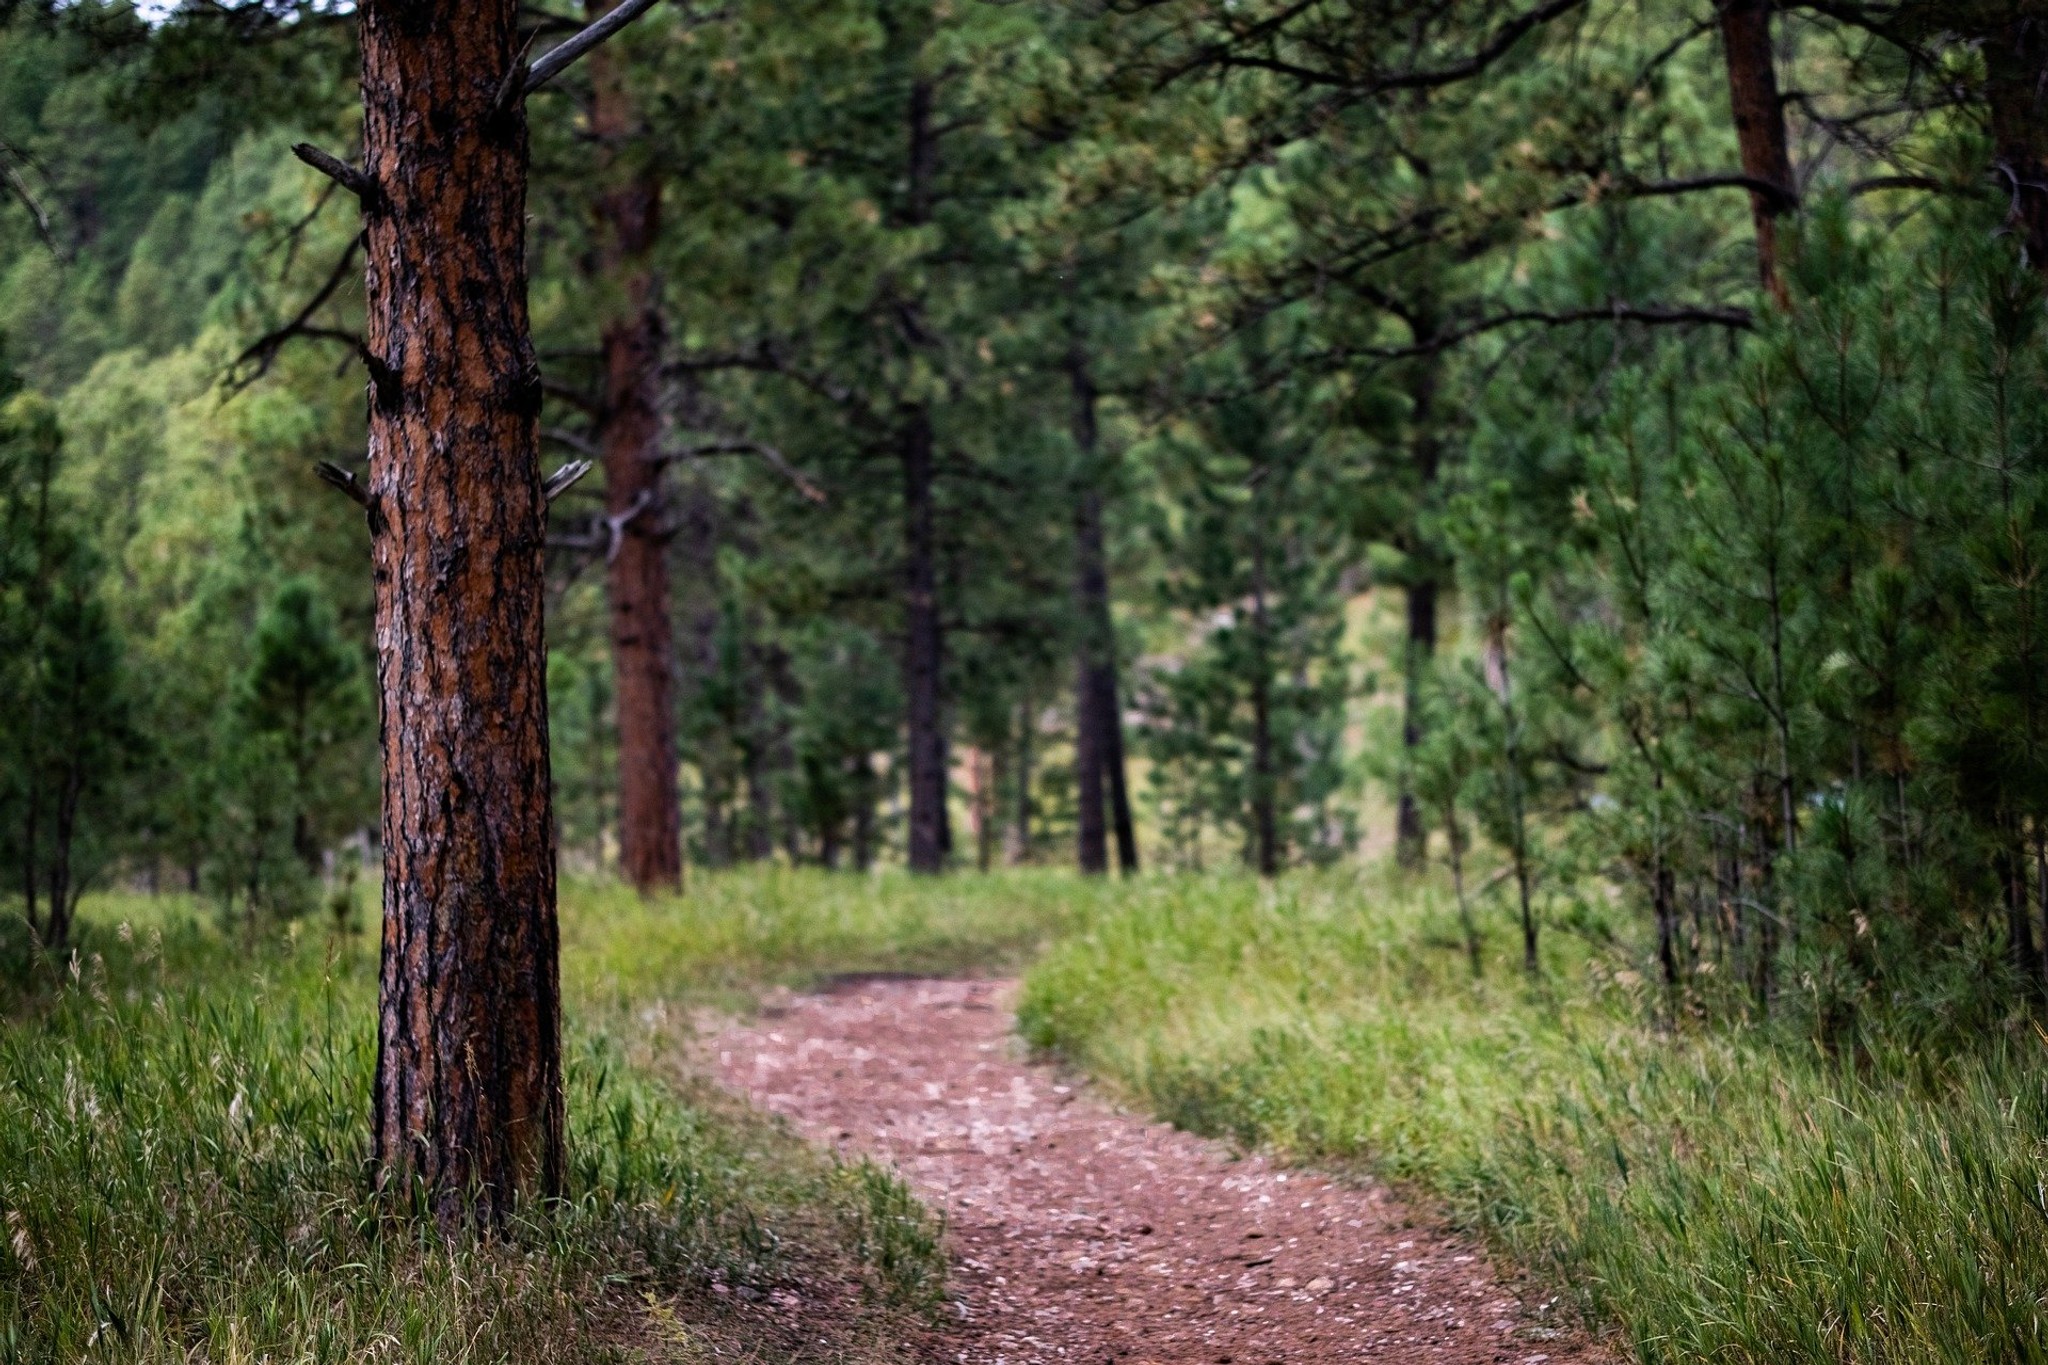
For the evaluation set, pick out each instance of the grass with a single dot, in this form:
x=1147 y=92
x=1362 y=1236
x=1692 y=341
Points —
x=732 y=932
x=182 y=1130
x=183 y=1134
x=1715 y=1196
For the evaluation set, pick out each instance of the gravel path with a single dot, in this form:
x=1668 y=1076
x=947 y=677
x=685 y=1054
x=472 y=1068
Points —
x=1080 y=1233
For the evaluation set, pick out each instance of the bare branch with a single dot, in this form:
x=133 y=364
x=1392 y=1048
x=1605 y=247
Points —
x=558 y=59
x=334 y=476
x=263 y=351
x=560 y=481
x=21 y=191
x=340 y=172
x=1738 y=318
x=775 y=459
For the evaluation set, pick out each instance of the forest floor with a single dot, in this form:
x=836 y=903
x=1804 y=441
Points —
x=1078 y=1232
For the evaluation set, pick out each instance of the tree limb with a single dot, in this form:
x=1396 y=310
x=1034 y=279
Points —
x=557 y=59
x=263 y=351
x=1738 y=318
x=356 y=182
x=740 y=446
x=334 y=476
x=560 y=481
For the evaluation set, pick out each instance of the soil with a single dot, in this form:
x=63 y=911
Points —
x=1082 y=1233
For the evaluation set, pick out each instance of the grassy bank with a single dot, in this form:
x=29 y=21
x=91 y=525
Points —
x=183 y=1133
x=1718 y=1197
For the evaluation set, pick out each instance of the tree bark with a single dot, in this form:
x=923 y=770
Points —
x=629 y=434
x=1759 y=126
x=468 y=1092
x=1411 y=839
x=922 y=653
x=1018 y=847
x=1265 y=816
x=931 y=837
x=2016 y=68
x=1098 y=727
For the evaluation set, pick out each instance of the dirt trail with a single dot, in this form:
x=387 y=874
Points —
x=1080 y=1233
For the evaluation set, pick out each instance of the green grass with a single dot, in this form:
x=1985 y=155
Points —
x=1716 y=1196
x=729 y=933
x=183 y=1134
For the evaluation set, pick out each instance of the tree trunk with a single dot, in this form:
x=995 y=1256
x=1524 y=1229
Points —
x=2015 y=60
x=1018 y=847
x=637 y=585
x=1759 y=126
x=1411 y=840
x=922 y=657
x=629 y=434
x=1265 y=819
x=468 y=1094
x=1098 y=720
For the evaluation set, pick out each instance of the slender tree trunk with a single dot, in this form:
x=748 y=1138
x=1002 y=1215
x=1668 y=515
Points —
x=1112 y=727
x=1019 y=844
x=1411 y=840
x=1265 y=819
x=1759 y=126
x=922 y=658
x=931 y=836
x=1104 y=800
x=864 y=796
x=468 y=1092
x=629 y=435
x=2016 y=89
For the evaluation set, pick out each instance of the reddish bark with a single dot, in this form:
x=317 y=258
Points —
x=629 y=433
x=468 y=1093
x=1759 y=126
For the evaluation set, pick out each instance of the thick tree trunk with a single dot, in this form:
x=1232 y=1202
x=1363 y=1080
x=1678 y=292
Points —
x=1759 y=126
x=1098 y=728
x=629 y=434
x=468 y=1092
x=2016 y=88
x=922 y=657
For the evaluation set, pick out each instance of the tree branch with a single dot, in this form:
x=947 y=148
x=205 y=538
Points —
x=340 y=172
x=263 y=351
x=334 y=476
x=740 y=446
x=558 y=59
x=1738 y=318
x=560 y=481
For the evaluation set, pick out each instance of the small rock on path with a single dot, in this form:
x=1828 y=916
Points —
x=1079 y=1233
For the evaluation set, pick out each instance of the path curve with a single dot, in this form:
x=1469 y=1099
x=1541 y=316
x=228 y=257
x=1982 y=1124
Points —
x=1079 y=1233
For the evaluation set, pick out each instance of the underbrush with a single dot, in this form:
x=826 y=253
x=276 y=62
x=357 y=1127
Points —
x=1724 y=1195
x=183 y=1176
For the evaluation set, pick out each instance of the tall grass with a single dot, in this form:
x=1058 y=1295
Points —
x=1725 y=1197
x=183 y=1145
x=731 y=932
